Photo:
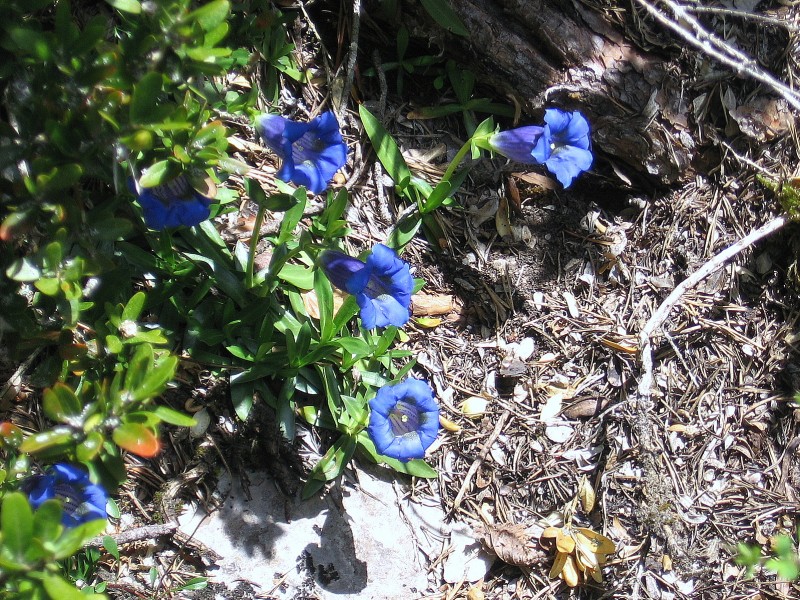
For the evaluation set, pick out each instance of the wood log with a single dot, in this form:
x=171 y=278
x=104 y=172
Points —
x=627 y=76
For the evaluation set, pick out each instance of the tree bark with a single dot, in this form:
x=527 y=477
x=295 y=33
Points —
x=568 y=53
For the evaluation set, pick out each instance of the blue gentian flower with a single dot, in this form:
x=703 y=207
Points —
x=81 y=500
x=527 y=145
x=311 y=152
x=382 y=286
x=569 y=143
x=404 y=419
x=172 y=204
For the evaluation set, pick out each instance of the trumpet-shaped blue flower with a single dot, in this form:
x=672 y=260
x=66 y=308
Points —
x=310 y=152
x=404 y=419
x=81 y=500
x=382 y=286
x=529 y=145
x=562 y=144
x=172 y=204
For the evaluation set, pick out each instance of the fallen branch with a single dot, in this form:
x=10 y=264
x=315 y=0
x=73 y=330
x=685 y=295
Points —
x=473 y=469
x=662 y=312
x=691 y=30
x=137 y=534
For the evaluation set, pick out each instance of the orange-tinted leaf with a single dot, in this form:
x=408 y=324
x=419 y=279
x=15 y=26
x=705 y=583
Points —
x=138 y=439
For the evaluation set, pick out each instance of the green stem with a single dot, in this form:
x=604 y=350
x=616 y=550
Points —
x=251 y=257
x=451 y=168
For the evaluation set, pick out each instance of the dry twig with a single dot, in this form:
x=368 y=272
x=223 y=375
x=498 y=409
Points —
x=662 y=312
x=691 y=30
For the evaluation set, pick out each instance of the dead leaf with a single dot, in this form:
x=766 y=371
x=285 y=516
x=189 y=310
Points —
x=536 y=179
x=586 y=495
x=312 y=305
x=502 y=220
x=432 y=304
x=512 y=544
x=588 y=407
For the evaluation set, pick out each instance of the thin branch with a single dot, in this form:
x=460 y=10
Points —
x=741 y=14
x=351 y=58
x=473 y=469
x=741 y=63
x=661 y=314
x=147 y=532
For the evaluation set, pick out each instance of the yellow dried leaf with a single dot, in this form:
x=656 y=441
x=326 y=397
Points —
x=449 y=425
x=586 y=495
x=476 y=593
x=311 y=303
x=598 y=543
x=570 y=573
x=474 y=407
x=585 y=559
x=432 y=305
x=597 y=575
x=551 y=532
x=565 y=543
x=558 y=565
x=428 y=322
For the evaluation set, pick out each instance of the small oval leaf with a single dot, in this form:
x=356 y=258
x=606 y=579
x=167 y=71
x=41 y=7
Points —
x=138 y=439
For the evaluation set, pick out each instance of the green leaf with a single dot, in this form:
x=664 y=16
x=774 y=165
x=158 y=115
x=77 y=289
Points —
x=386 y=148
x=138 y=367
x=445 y=16
x=31 y=41
x=292 y=217
x=242 y=399
x=59 y=178
x=210 y=15
x=404 y=231
x=47 y=520
x=23 y=269
x=133 y=309
x=298 y=275
x=49 y=286
x=58 y=589
x=87 y=450
x=72 y=539
x=416 y=467
x=110 y=544
x=129 y=6
x=52 y=440
x=61 y=403
x=324 y=293
x=158 y=173
x=439 y=195
x=16 y=523
x=173 y=417
x=144 y=101
x=355 y=346
x=331 y=465
x=195 y=583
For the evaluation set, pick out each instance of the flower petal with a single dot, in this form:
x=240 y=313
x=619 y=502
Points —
x=568 y=128
x=271 y=129
x=388 y=311
x=567 y=162
x=368 y=311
